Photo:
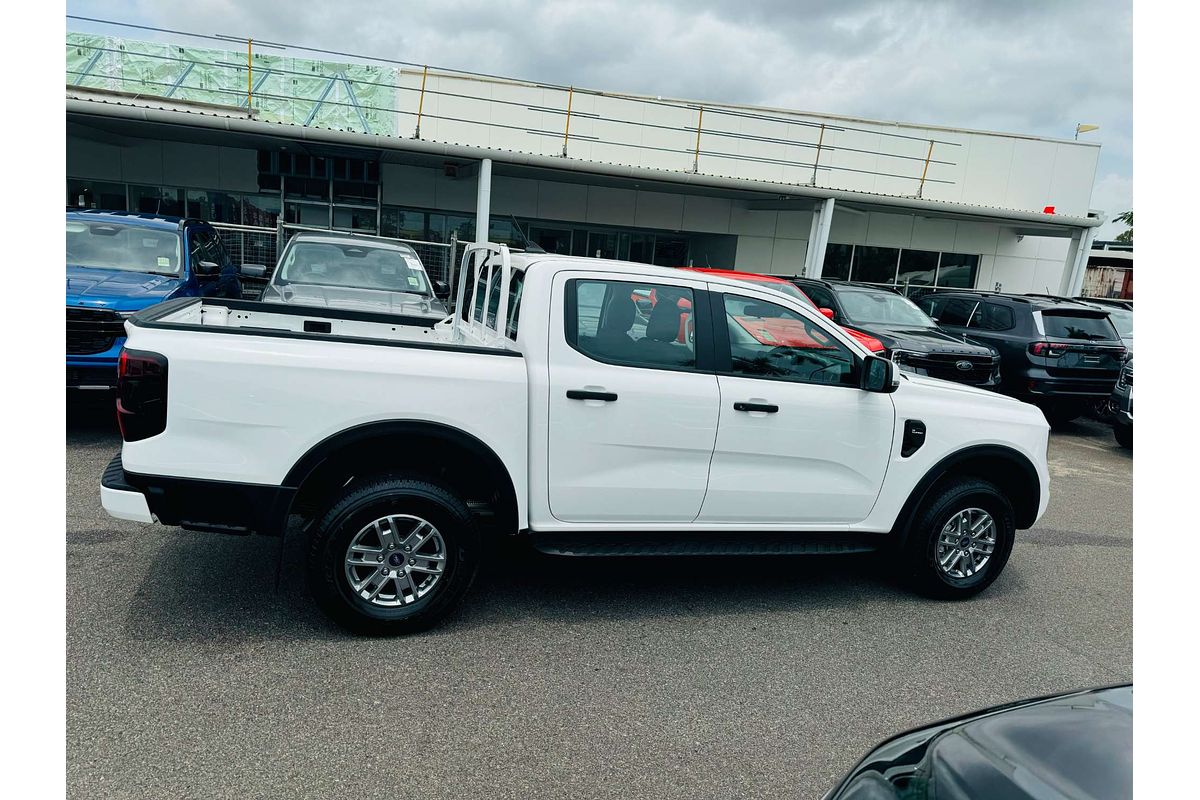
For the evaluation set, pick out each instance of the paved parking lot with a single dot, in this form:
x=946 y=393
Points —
x=190 y=675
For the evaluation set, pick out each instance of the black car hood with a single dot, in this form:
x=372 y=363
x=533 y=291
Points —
x=1077 y=745
x=922 y=340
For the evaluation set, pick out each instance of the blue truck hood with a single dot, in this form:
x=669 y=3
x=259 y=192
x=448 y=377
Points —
x=119 y=290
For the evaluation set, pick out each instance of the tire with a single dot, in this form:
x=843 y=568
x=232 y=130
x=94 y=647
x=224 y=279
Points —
x=399 y=607
x=1124 y=435
x=944 y=505
x=1059 y=416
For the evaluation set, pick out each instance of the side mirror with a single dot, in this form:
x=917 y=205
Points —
x=828 y=312
x=441 y=290
x=253 y=270
x=878 y=375
x=208 y=268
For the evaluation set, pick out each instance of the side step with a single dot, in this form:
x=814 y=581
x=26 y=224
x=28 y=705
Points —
x=703 y=544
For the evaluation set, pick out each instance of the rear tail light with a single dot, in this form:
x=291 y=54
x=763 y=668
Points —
x=1047 y=350
x=141 y=394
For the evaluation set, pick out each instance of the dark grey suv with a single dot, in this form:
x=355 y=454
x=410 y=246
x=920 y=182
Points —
x=1057 y=354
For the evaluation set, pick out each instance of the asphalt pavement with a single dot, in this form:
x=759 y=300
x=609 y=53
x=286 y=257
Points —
x=190 y=675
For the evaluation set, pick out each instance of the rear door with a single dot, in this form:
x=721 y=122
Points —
x=798 y=442
x=633 y=399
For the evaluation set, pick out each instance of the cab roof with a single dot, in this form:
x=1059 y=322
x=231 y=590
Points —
x=160 y=221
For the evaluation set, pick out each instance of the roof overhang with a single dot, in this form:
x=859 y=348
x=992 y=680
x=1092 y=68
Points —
x=120 y=116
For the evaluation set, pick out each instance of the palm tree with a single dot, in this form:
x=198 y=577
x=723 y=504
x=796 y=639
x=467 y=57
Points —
x=1125 y=236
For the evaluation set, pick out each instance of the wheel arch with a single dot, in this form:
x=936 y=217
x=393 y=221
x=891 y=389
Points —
x=1011 y=470
x=434 y=449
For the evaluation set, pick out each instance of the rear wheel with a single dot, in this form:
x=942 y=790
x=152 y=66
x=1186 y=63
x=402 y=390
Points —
x=960 y=539
x=1124 y=435
x=392 y=555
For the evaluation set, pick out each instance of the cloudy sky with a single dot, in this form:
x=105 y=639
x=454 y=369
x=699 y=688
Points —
x=1022 y=66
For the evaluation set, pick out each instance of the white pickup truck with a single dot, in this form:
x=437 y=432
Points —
x=597 y=407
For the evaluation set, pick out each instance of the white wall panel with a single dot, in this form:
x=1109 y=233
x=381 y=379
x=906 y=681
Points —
x=658 y=210
x=516 y=196
x=609 y=206
x=933 y=234
x=566 y=201
x=190 y=165
x=755 y=253
x=751 y=223
x=707 y=214
x=890 y=230
x=787 y=256
x=408 y=186
x=87 y=158
x=237 y=169
x=142 y=162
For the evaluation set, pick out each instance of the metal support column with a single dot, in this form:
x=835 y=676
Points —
x=818 y=238
x=1076 y=269
x=483 y=201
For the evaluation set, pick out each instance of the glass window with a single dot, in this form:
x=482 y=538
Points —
x=875 y=264
x=313 y=215
x=609 y=327
x=358 y=265
x=480 y=292
x=354 y=219
x=156 y=200
x=261 y=210
x=770 y=341
x=641 y=248
x=821 y=297
x=949 y=310
x=214 y=206
x=552 y=240
x=1062 y=325
x=837 y=262
x=516 y=290
x=993 y=317
x=402 y=223
x=111 y=245
x=958 y=270
x=917 y=268
x=602 y=244
x=881 y=307
x=95 y=194
x=670 y=251
x=493 y=299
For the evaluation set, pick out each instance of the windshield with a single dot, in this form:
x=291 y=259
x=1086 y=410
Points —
x=354 y=265
x=130 y=248
x=882 y=308
x=1078 y=326
x=786 y=288
x=1122 y=320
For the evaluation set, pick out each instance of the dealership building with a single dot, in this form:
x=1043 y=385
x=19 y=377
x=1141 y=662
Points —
x=263 y=139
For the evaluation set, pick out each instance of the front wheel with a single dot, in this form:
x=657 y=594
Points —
x=960 y=539
x=392 y=555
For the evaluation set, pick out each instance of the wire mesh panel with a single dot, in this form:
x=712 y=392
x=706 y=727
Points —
x=250 y=245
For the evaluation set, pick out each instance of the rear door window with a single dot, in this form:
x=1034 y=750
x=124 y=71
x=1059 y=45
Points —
x=1085 y=327
x=950 y=310
x=632 y=324
x=993 y=317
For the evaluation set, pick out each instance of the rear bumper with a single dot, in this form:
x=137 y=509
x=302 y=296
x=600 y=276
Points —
x=1082 y=388
x=119 y=498
x=195 y=504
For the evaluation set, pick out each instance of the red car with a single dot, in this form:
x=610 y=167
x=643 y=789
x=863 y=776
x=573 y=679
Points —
x=789 y=288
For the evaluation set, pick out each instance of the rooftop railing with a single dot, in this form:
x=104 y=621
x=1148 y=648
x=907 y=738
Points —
x=404 y=99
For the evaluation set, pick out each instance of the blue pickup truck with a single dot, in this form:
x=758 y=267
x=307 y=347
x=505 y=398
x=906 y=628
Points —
x=119 y=263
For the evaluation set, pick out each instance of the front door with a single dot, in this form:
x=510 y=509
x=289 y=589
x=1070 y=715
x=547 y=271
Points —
x=798 y=442
x=633 y=399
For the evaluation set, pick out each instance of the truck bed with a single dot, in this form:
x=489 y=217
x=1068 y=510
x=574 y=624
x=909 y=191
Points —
x=253 y=387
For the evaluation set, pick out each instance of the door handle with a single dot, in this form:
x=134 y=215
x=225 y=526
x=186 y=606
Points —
x=768 y=408
x=587 y=394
